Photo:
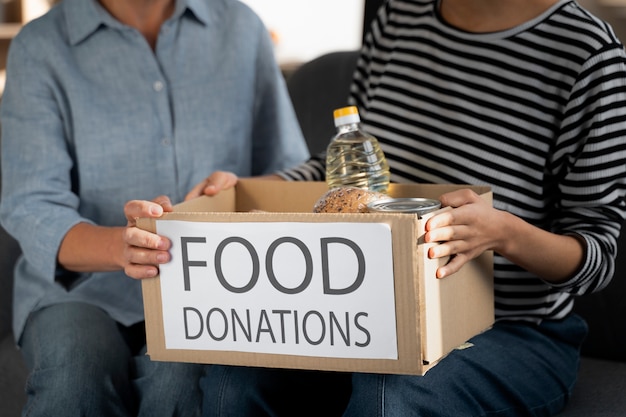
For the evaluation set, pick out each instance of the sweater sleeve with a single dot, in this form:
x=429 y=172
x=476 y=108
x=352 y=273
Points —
x=588 y=167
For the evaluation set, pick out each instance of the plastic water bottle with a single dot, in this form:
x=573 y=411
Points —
x=354 y=157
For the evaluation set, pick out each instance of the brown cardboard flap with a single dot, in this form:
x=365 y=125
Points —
x=279 y=196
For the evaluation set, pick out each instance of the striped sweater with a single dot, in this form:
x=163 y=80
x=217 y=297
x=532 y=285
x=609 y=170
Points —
x=538 y=112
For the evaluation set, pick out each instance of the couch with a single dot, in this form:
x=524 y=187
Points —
x=316 y=89
x=12 y=368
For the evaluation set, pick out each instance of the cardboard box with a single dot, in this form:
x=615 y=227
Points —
x=288 y=288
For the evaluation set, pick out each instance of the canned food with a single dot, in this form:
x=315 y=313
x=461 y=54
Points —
x=419 y=206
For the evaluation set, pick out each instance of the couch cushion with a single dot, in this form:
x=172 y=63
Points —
x=599 y=391
x=9 y=250
x=605 y=312
x=316 y=89
x=12 y=378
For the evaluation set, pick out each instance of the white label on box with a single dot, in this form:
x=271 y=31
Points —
x=307 y=289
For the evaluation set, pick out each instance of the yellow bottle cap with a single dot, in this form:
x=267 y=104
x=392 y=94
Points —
x=346 y=115
x=345 y=111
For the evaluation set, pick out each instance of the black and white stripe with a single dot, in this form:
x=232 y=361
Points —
x=537 y=112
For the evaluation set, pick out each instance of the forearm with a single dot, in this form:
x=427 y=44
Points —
x=90 y=248
x=552 y=257
x=473 y=226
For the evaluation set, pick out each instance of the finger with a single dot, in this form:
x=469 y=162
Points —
x=144 y=252
x=441 y=251
x=141 y=271
x=165 y=203
x=454 y=265
x=135 y=209
x=443 y=219
x=138 y=238
x=456 y=233
x=218 y=181
x=146 y=257
x=448 y=248
x=196 y=191
x=139 y=208
x=458 y=198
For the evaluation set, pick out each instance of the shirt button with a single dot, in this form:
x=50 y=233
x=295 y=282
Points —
x=158 y=86
x=166 y=142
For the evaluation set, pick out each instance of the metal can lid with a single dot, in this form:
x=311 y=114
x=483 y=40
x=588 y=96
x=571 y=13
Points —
x=404 y=205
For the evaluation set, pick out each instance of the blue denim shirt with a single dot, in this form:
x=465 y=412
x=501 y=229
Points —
x=92 y=117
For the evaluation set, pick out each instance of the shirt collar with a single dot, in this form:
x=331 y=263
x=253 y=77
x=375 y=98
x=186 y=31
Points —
x=85 y=17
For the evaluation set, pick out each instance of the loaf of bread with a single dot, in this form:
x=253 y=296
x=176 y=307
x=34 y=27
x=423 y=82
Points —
x=346 y=200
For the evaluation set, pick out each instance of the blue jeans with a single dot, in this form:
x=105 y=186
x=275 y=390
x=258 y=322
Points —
x=513 y=369
x=85 y=364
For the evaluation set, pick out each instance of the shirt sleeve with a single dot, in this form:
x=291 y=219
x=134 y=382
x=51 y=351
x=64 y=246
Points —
x=278 y=139
x=37 y=206
x=589 y=167
x=312 y=170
